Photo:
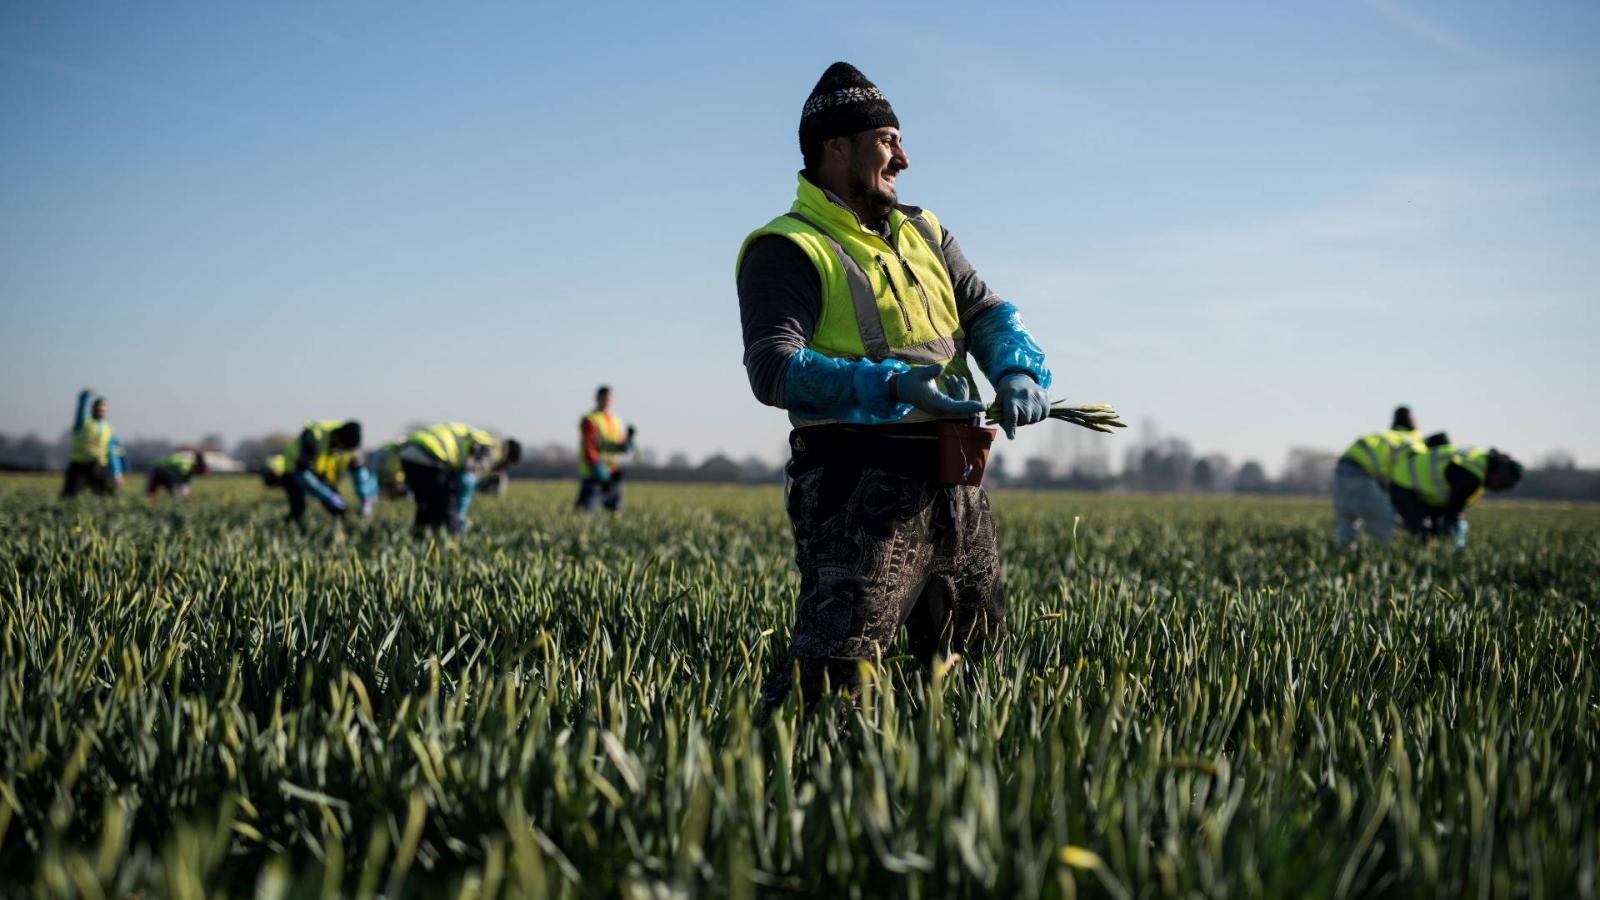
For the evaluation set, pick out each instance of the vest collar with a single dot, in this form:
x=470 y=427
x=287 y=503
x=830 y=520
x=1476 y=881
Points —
x=825 y=208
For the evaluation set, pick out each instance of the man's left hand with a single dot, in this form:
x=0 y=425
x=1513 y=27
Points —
x=1022 y=402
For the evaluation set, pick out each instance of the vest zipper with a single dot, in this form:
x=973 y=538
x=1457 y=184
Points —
x=911 y=276
x=905 y=316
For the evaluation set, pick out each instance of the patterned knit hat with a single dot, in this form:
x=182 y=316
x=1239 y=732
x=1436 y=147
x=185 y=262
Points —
x=843 y=102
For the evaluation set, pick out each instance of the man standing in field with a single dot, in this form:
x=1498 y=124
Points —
x=317 y=460
x=858 y=315
x=1361 y=481
x=442 y=466
x=1433 y=486
x=96 y=461
x=601 y=440
x=173 y=472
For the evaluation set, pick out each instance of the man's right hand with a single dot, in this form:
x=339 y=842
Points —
x=920 y=388
x=601 y=473
x=335 y=504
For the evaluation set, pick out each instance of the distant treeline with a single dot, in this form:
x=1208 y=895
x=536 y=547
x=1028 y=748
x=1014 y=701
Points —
x=1154 y=466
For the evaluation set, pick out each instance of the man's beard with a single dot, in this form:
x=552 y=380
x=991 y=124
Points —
x=877 y=201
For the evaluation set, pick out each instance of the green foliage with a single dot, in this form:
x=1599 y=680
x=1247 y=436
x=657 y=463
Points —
x=1199 y=697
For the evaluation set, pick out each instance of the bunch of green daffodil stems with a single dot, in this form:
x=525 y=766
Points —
x=1100 y=417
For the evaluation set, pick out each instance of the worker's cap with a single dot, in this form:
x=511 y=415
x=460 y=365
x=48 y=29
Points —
x=1504 y=471
x=843 y=102
x=348 y=434
x=1402 y=419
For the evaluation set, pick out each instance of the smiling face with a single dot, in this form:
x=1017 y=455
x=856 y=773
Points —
x=862 y=169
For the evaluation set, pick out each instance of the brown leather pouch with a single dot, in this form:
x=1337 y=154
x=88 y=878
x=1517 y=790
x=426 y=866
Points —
x=963 y=452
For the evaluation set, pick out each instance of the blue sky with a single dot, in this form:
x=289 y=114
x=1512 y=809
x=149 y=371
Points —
x=1259 y=225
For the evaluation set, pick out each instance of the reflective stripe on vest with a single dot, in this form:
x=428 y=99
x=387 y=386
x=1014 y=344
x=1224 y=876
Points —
x=1424 y=472
x=1376 y=453
x=327 y=464
x=865 y=312
x=92 y=442
x=608 y=428
x=452 y=444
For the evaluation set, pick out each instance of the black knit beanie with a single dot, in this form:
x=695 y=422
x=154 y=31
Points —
x=348 y=434
x=843 y=102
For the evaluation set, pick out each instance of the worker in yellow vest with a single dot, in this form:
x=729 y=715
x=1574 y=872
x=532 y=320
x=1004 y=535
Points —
x=272 y=470
x=1432 y=488
x=1361 y=481
x=96 y=460
x=317 y=460
x=442 y=465
x=173 y=472
x=859 y=313
x=385 y=465
x=601 y=442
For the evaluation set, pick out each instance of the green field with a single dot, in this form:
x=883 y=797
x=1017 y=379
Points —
x=1199 y=698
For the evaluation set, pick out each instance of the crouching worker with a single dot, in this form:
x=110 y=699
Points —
x=173 y=473
x=317 y=460
x=384 y=467
x=442 y=465
x=272 y=471
x=1432 y=488
x=1361 y=481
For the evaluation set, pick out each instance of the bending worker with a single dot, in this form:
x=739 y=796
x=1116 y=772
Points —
x=317 y=460
x=1431 y=488
x=858 y=315
x=442 y=466
x=601 y=440
x=173 y=472
x=96 y=461
x=1361 y=481
x=384 y=464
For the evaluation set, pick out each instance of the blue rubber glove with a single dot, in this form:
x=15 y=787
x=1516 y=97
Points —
x=1461 y=534
x=366 y=485
x=850 y=390
x=466 y=486
x=601 y=473
x=1022 y=402
x=920 y=387
x=1002 y=345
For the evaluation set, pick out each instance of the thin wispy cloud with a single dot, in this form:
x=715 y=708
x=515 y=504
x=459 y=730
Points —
x=321 y=34
x=1425 y=28
x=126 y=87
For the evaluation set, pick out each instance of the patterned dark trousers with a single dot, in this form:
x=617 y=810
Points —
x=879 y=550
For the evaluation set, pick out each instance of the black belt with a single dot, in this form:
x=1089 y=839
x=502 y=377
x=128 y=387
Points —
x=910 y=450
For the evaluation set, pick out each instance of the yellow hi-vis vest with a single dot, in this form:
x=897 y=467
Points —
x=880 y=299
x=385 y=463
x=180 y=463
x=1424 y=471
x=327 y=464
x=1375 y=453
x=92 y=442
x=452 y=444
x=612 y=439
